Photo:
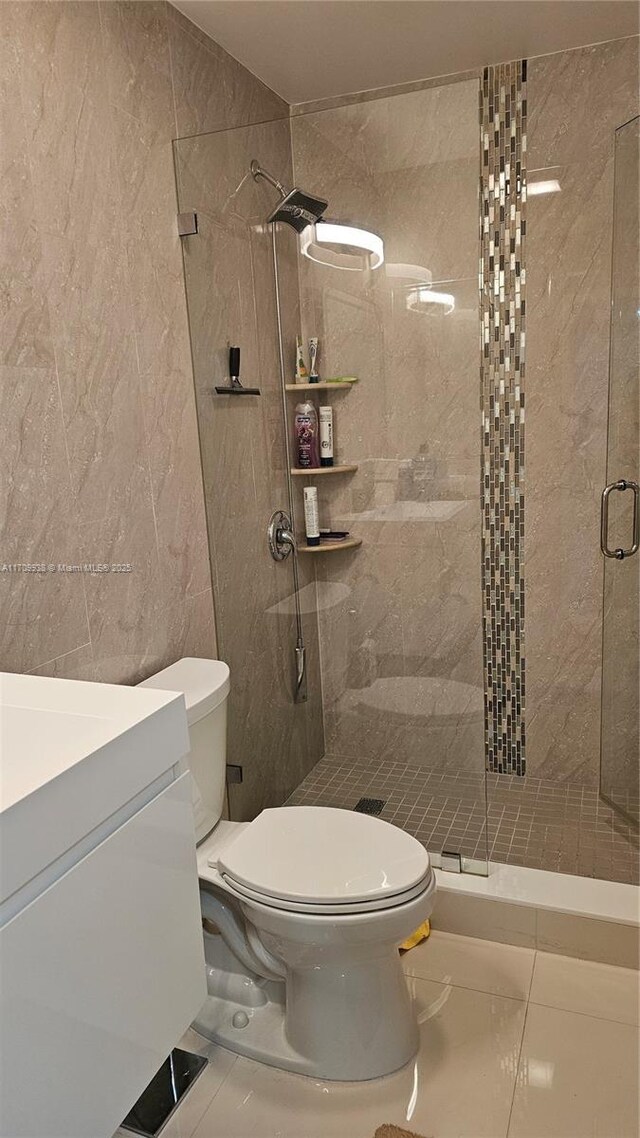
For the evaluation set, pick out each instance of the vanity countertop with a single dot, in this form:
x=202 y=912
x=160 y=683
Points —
x=100 y=927
x=73 y=753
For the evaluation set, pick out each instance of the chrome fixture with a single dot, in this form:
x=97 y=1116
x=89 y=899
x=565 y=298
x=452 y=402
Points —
x=357 y=249
x=280 y=536
x=300 y=691
x=297 y=208
x=619 y=554
x=451 y=861
x=301 y=672
x=164 y=1093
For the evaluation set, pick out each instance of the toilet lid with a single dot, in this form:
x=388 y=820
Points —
x=323 y=856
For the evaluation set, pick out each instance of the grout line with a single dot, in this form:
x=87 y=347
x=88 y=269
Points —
x=449 y=983
x=533 y=970
x=517 y=1070
x=585 y=1015
x=191 y=1132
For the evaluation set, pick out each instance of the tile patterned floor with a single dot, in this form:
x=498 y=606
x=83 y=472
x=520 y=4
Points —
x=514 y=1044
x=532 y=822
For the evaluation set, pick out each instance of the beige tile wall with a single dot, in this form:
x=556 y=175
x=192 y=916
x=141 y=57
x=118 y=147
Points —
x=576 y=100
x=99 y=434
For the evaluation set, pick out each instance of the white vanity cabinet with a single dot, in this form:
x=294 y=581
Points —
x=101 y=957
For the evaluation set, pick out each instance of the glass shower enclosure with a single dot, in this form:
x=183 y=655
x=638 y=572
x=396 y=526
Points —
x=620 y=519
x=392 y=627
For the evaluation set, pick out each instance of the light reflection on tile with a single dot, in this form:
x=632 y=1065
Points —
x=572 y=1074
x=577 y=1076
x=500 y=969
x=583 y=986
x=468 y=1039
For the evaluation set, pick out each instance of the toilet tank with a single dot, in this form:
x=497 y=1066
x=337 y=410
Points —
x=205 y=686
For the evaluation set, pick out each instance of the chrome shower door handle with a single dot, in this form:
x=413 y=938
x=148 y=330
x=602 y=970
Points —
x=619 y=554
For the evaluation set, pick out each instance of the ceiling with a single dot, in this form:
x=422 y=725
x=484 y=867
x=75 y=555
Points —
x=313 y=49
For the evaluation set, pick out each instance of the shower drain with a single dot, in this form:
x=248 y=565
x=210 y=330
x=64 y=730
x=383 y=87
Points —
x=370 y=805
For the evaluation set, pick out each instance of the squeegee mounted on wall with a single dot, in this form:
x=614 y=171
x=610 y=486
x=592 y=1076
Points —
x=235 y=387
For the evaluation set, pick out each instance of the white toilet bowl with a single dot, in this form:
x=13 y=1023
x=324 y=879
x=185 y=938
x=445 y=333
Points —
x=303 y=911
x=322 y=899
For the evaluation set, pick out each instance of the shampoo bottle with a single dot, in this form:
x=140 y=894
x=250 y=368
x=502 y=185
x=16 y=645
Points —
x=306 y=432
x=326 y=436
x=311 y=519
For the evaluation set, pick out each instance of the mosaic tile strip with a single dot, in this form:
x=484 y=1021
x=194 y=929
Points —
x=503 y=120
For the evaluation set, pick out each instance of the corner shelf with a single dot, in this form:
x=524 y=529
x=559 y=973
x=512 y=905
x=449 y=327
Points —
x=331 y=546
x=343 y=385
x=300 y=471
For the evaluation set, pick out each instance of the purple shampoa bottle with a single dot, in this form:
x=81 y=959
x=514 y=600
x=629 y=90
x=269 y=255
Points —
x=306 y=432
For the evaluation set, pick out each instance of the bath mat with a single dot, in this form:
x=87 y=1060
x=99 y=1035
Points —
x=391 y=1131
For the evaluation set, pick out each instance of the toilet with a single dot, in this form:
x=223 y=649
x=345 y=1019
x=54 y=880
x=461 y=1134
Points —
x=303 y=911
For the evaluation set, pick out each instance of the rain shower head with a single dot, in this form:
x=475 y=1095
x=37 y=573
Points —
x=297 y=208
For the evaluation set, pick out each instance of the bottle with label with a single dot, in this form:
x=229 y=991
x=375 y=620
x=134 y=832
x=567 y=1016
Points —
x=326 y=436
x=311 y=521
x=306 y=436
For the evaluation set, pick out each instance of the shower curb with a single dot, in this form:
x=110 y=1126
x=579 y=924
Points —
x=552 y=912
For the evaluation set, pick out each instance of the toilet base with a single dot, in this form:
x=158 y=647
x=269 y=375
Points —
x=262 y=1038
x=348 y=1026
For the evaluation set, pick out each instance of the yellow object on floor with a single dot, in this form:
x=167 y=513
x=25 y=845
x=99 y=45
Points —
x=421 y=933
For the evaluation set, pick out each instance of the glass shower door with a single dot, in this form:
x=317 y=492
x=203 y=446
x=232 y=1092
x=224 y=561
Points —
x=273 y=740
x=400 y=615
x=619 y=755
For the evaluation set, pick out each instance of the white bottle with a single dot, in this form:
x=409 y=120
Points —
x=311 y=519
x=326 y=436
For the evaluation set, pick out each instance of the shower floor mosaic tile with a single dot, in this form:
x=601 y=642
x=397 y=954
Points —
x=532 y=822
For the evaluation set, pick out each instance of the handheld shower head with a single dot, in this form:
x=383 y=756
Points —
x=297 y=208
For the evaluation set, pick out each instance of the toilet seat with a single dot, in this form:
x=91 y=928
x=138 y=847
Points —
x=314 y=859
x=346 y=908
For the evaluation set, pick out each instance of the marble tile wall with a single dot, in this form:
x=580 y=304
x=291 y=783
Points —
x=576 y=101
x=99 y=430
x=230 y=292
x=400 y=617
